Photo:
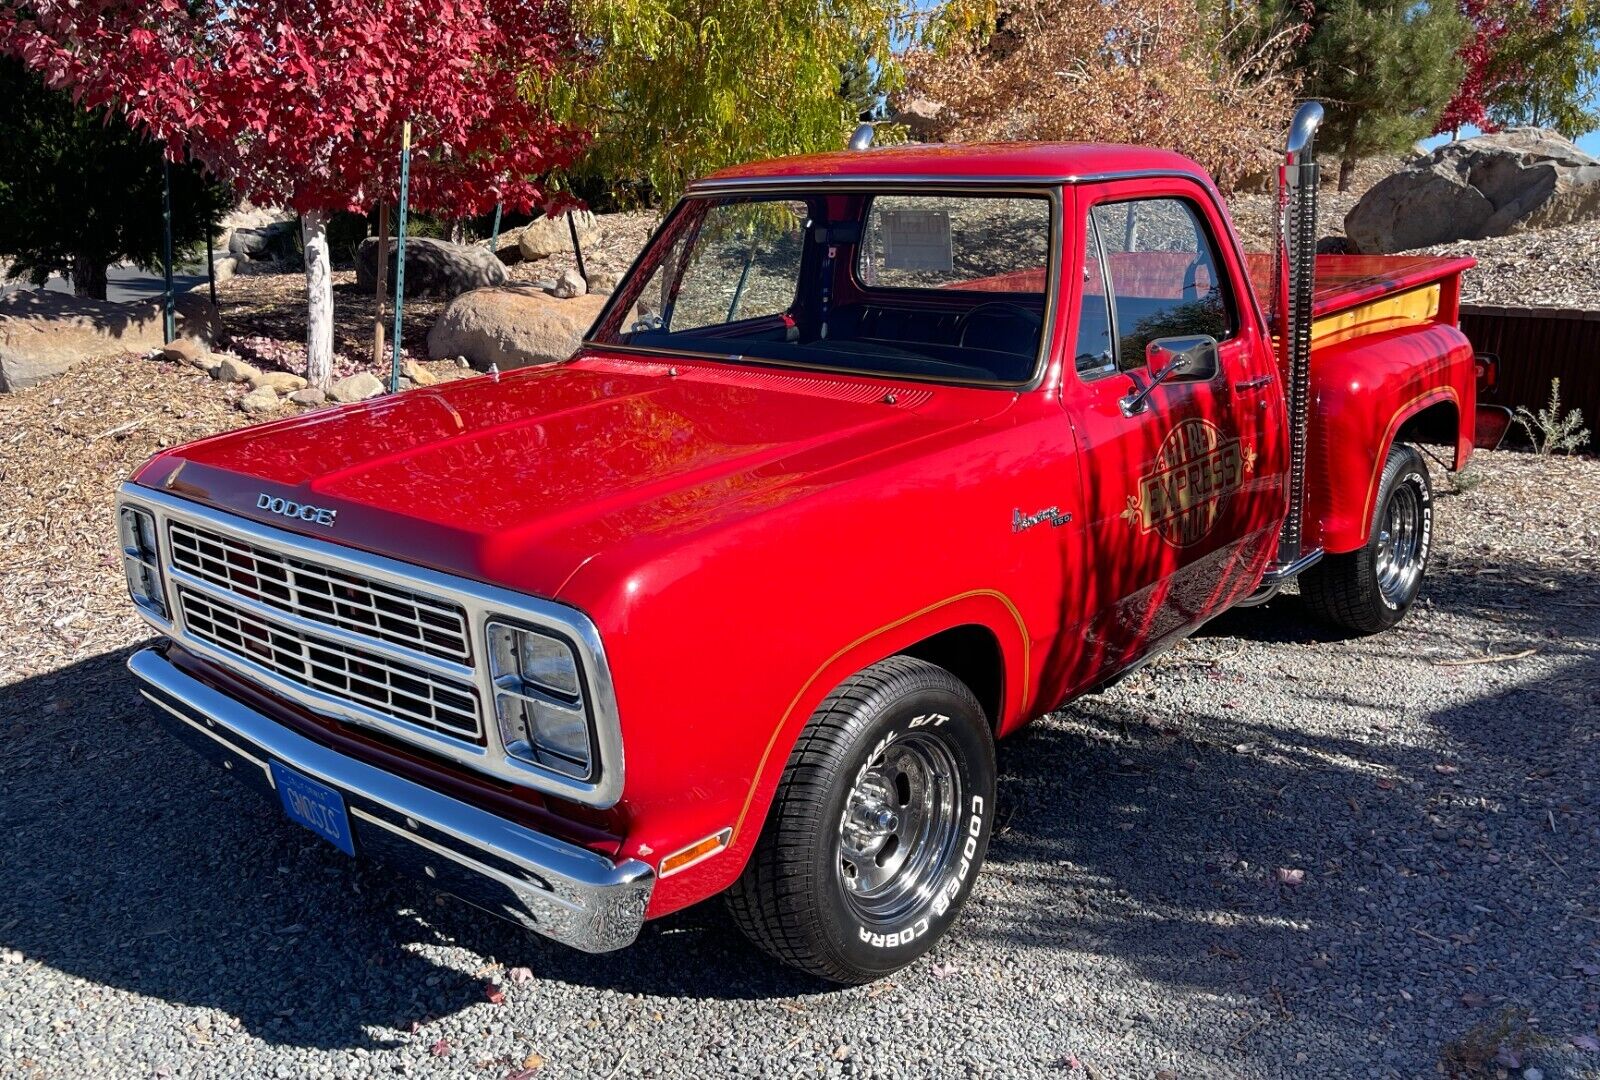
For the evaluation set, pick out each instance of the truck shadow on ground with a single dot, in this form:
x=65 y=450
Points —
x=1125 y=834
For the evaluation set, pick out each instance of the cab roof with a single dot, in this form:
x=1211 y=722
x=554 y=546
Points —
x=1018 y=162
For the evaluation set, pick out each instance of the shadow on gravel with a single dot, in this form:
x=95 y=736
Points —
x=1126 y=837
x=127 y=861
x=1451 y=860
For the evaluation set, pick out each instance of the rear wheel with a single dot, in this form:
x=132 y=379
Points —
x=1371 y=589
x=879 y=826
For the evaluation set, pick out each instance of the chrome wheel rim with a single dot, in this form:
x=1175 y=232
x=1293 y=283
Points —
x=899 y=828
x=1399 y=554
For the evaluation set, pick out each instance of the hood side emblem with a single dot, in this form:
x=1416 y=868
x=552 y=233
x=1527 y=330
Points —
x=1021 y=522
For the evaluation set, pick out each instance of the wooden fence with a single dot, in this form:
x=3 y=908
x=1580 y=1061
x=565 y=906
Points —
x=1536 y=345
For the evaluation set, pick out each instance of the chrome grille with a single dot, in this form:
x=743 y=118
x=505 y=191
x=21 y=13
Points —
x=351 y=602
x=381 y=683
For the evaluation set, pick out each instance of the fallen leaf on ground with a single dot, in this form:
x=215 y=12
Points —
x=1472 y=999
x=440 y=1048
x=520 y=975
x=493 y=992
x=1586 y=1042
x=1291 y=878
x=1385 y=784
x=942 y=971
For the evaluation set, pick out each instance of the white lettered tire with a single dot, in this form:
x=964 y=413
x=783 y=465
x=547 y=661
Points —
x=1370 y=589
x=879 y=826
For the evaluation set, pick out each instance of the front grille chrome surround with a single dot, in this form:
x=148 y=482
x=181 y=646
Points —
x=396 y=647
x=366 y=678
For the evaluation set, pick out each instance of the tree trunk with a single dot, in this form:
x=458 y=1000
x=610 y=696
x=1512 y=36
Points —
x=458 y=231
x=381 y=291
x=319 y=299
x=1347 y=172
x=88 y=277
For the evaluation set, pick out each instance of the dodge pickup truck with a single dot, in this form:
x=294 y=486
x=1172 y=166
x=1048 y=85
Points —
x=873 y=457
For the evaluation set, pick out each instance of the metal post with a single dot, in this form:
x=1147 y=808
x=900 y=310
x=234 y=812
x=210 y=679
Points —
x=494 y=236
x=170 y=322
x=211 y=261
x=400 y=254
x=577 y=249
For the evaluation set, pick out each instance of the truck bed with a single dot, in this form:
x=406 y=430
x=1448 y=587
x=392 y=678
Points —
x=1362 y=294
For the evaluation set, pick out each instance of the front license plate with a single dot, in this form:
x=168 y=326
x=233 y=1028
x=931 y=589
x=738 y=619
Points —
x=315 y=805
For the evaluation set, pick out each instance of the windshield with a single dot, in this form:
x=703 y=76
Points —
x=943 y=286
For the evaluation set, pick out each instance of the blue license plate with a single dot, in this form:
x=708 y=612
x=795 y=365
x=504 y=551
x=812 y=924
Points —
x=315 y=805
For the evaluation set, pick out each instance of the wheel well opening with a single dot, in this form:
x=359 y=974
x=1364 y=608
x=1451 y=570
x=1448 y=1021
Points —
x=972 y=654
x=1437 y=425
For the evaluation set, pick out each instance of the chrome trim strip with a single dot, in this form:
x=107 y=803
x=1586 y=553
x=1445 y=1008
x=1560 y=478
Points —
x=481 y=603
x=568 y=893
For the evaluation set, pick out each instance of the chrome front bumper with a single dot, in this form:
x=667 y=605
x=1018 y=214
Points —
x=557 y=889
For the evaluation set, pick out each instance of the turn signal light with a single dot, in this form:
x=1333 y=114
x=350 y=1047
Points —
x=696 y=852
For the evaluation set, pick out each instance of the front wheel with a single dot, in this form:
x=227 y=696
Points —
x=879 y=826
x=1371 y=589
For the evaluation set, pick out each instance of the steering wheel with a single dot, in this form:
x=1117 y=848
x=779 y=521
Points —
x=1011 y=308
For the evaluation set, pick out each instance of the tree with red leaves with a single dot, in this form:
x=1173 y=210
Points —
x=1470 y=105
x=1527 y=62
x=301 y=102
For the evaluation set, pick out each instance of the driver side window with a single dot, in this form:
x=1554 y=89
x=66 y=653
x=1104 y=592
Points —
x=1164 y=274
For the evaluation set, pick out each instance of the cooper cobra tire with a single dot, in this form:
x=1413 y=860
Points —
x=1371 y=589
x=878 y=829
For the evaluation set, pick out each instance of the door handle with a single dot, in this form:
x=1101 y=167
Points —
x=1253 y=384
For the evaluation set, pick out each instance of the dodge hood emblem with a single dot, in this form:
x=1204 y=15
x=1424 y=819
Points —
x=290 y=509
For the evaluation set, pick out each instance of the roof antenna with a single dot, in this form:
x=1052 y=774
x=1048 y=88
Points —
x=861 y=138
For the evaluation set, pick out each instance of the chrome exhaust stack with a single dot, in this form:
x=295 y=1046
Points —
x=1294 y=282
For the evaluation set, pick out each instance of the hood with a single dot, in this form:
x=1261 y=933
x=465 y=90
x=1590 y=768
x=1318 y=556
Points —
x=517 y=479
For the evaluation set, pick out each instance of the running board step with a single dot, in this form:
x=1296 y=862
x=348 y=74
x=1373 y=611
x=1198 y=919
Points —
x=1279 y=573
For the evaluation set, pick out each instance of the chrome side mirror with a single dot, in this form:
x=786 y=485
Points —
x=1190 y=358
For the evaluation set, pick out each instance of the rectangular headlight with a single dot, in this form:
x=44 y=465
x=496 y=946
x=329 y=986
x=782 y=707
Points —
x=538 y=700
x=141 y=559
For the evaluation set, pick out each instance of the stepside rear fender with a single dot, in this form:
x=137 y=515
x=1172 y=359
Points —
x=1365 y=390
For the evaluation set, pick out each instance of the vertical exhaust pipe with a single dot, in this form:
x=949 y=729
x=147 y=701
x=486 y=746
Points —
x=1293 y=283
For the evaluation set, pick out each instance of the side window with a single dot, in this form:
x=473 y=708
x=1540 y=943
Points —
x=1164 y=276
x=744 y=264
x=1094 y=353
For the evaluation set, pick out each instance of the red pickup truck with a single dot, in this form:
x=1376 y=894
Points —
x=872 y=458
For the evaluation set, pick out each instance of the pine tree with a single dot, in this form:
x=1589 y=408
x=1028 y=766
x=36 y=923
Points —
x=1384 y=70
x=80 y=191
x=858 y=86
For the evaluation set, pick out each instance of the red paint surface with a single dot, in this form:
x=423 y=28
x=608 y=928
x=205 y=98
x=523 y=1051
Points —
x=746 y=537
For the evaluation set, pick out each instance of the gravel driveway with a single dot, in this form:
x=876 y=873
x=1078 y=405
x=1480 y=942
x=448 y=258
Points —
x=1270 y=854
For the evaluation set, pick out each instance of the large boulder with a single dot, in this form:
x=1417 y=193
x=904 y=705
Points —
x=547 y=236
x=274 y=240
x=1522 y=178
x=433 y=267
x=511 y=327
x=45 y=333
